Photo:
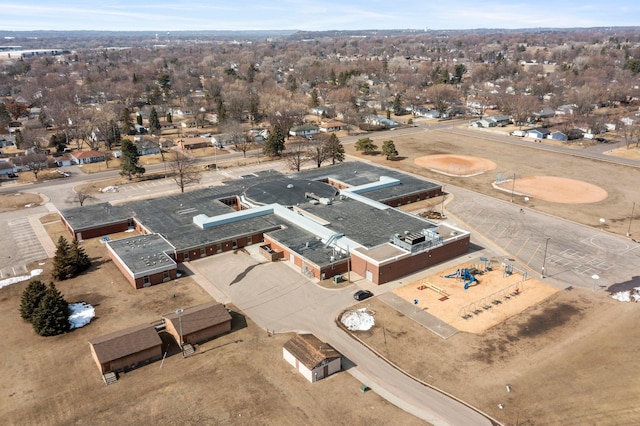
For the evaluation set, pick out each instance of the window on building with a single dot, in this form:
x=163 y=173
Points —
x=219 y=248
x=165 y=275
x=235 y=244
x=203 y=251
x=145 y=279
x=186 y=256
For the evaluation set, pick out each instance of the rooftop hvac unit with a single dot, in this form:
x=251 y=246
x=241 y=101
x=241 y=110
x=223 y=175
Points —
x=325 y=201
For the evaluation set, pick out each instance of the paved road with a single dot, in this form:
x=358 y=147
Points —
x=277 y=297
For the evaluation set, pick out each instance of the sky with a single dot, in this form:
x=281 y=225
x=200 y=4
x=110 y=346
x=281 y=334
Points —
x=316 y=15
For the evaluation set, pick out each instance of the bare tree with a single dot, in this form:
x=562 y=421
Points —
x=317 y=151
x=36 y=162
x=443 y=96
x=297 y=154
x=184 y=169
x=83 y=195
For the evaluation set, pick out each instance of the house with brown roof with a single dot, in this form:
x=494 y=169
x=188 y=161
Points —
x=126 y=349
x=87 y=157
x=193 y=143
x=331 y=126
x=199 y=323
x=311 y=357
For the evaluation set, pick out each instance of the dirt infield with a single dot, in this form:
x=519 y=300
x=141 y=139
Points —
x=456 y=165
x=493 y=299
x=556 y=189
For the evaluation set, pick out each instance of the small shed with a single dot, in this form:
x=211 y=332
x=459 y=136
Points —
x=311 y=357
x=126 y=349
x=199 y=323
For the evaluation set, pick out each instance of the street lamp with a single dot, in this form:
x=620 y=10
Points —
x=544 y=259
x=595 y=278
x=630 y=219
x=179 y=313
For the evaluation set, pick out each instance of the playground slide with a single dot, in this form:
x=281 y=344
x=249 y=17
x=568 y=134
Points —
x=472 y=280
x=454 y=275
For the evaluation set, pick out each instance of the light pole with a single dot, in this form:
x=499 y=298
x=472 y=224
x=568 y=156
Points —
x=513 y=187
x=179 y=313
x=595 y=278
x=544 y=259
x=630 y=219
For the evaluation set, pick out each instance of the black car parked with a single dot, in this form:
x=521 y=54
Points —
x=362 y=294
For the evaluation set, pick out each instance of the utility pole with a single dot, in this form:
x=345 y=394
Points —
x=630 y=219
x=179 y=313
x=544 y=259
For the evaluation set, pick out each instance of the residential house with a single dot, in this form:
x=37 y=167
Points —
x=543 y=114
x=304 y=130
x=538 y=133
x=86 y=157
x=62 y=159
x=7 y=141
x=188 y=123
x=166 y=125
x=426 y=113
x=321 y=110
x=311 y=357
x=379 y=120
x=565 y=110
x=331 y=126
x=6 y=167
x=558 y=136
x=193 y=143
x=147 y=147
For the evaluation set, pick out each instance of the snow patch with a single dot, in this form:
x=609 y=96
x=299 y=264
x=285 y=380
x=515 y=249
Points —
x=627 y=296
x=13 y=280
x=358 y=320
x=81 y=314
x=112 y=188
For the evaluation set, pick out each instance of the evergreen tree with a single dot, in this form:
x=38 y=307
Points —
x=334 y=149
x=365 y=145
x=113 y=134
x=274 y=145
x=139 y=119
x=52 y=315
x=397 y=104
x=389 y=149
x=129 y=160
x=314 y=98
x=292 y=83
x=154 y=122
x=332 y=77
x=221 y=110
x=79 y=258
x=31 y=297
x=62 y=264
x=125 y=119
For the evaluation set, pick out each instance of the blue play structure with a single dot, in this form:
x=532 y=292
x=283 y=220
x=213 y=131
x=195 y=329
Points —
x=464 y=275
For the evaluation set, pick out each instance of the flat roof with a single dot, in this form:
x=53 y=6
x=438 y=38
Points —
x=355 y=173
x=95 y=215
x=144 y=254
x=363 y=223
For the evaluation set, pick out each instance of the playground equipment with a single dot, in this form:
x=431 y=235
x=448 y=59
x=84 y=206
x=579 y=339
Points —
x=495 y=299
x=427 y=285
x=464 y=275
